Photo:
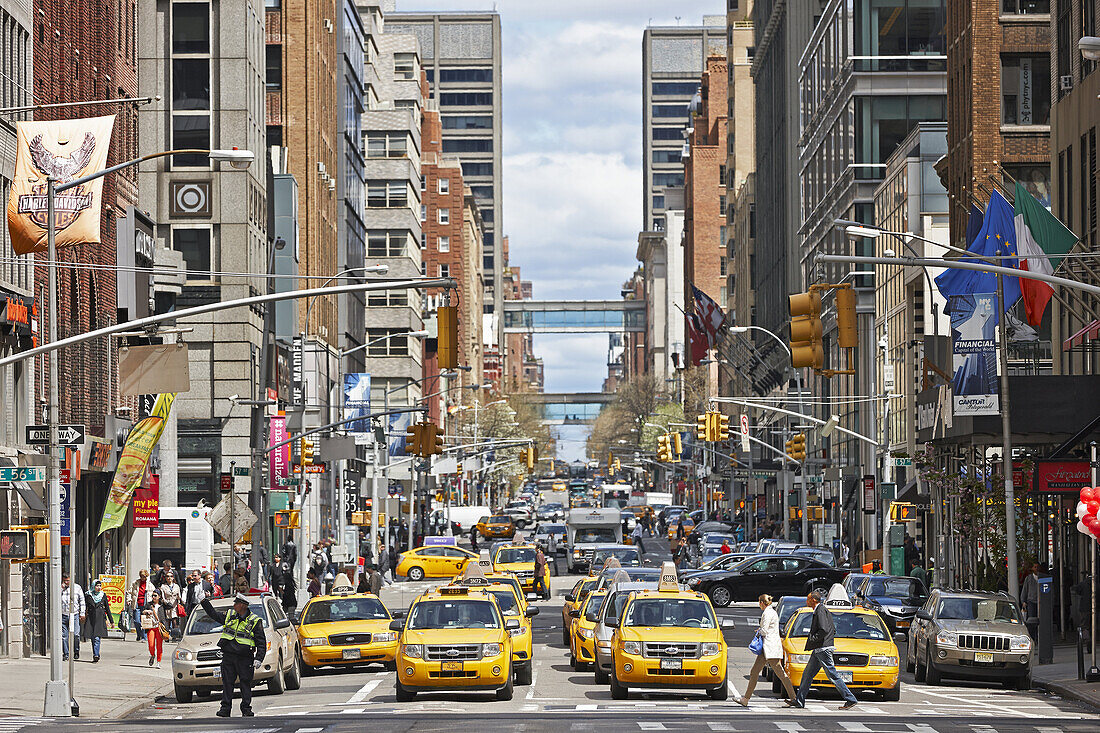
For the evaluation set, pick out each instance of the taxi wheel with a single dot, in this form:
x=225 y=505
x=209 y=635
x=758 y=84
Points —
x=294 y=676
x=893 y=694
x=505 y=693
x=722 y=692
x=721 y=596
x=304 y=669
x=572 y=660
x=524 y=675
x=777 y=685
x=415 y=574
x=404 y=694
x=618 y=692
x=565 y=636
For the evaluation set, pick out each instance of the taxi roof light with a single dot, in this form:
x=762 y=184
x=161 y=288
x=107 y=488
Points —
x=473 y=574
x=612 y=563
x=668 y=581
x=454 y=590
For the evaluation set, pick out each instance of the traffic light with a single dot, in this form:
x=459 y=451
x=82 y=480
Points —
x=618 y=466
x=664 y=449
x=806 y=346
x=847 y=331
x=722 y=427
x=447 y=336
x=523 y=456
x=797 y=445
x=702 y=423
x=532 y=458
x=414 y=440
x=307 y=451
x=282 y=518
x=432 y=440
x=815 y=513
x=677 y=446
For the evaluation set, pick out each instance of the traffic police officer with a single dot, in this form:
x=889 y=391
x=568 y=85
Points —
x=244 y=645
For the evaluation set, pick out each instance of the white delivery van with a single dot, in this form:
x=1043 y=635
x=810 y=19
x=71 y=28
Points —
x=587 y=529
x=184 y=537
x=467 y=516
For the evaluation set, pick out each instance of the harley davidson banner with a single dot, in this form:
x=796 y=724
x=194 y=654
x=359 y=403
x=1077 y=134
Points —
x=133 y=462
x=65 y=150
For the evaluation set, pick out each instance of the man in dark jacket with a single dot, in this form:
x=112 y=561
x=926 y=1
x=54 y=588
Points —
x=243 y=645
x=820 y=645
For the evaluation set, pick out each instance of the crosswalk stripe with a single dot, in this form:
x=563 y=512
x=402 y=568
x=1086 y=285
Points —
x=364 y=691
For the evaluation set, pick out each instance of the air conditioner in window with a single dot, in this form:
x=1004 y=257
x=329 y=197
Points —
x=331 y=184
x=1065 y=83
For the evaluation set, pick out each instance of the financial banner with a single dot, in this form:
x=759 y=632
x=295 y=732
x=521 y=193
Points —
x=357 y=402
x=64 y=150
x=133 y=462
x=974 y=336
x=147 y=502
x=278 y=459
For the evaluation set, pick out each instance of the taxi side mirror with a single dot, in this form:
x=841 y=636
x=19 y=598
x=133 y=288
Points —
x=571 y=598
x=531 y=611
x=511 y=623
x=575 y=612
x=592 y=616
x=400 y=614
x=396 y=625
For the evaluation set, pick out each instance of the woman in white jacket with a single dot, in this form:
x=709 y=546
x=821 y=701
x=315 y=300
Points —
x=772 y=654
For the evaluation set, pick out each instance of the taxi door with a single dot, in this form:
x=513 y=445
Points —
x=454 y=559
x=434 y=563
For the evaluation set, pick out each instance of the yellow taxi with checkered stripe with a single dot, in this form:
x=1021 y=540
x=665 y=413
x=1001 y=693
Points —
x=346 y=628
x=512 y=603
x=519 y=558
x=455 y=639
x=668 y=638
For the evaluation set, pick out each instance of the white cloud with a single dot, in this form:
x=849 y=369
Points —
x=573 y=362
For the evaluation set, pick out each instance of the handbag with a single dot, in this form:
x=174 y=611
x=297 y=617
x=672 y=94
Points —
x=181 y=611
x=756 y=646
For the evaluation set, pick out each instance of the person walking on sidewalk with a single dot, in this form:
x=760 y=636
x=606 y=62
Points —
x=155 y=623
x=97 y=615
x=243 y=644
x=170 y=596
x=820 y=645
x=141 y=590
x=72 y=615
x=772 y=652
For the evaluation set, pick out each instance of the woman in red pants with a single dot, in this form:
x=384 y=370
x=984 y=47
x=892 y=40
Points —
x=155 y=622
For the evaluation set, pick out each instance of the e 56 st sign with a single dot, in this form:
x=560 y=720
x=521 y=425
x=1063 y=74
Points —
x=23 y=473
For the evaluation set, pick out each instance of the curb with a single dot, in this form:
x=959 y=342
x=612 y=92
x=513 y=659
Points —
x=1068 y=693
x=127 y=709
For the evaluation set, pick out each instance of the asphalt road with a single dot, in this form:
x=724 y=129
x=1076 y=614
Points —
x=559 y=698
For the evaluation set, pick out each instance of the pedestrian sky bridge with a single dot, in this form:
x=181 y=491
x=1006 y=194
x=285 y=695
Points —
x=574 y=316
x=571 y=408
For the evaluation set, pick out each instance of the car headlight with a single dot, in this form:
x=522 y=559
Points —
x=385 y=636
x=710 y=648
x=518 y=632
x=883 y=661
x=413 y=651
x=692 y=582
x=578 y=553
x=1021 y=643
x=632 y=647
x=603 y=644
x=585 y=633
x=313 y=641
x=184 y=656
x=490 y=650
x=800 y=658
x=947 y=638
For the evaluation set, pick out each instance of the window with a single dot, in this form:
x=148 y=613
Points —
x=444 y=185
x=423 y=239
x=487 y=215
x=191 y=27
x=668 y=179
x=423 y=212
x=1026 y=7
x=675 y=88
x=465 y=99
x=482 y=192
x=404 y=66
x=389 y=342
x=1025 y=89
x=191 y=131
x=194 y=244
x=1035 y=178
x=468 y=145
x=387 y=194
x=658 y=201
x=666 y=156
x=443 y=243
x=466 y=75
x=387 y=145
x=668 y=133
x=274 y=66
x=387 y=297
x=444 y=270
x=443 y=216
x=467 y=122
x=670 y=110
x=423 y=183
x=190 y=84
x=477 y=169
x=387 y=242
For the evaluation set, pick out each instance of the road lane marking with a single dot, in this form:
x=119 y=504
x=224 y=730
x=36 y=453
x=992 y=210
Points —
x=853 y=726
x=789 y=726
x=309 y=730
x=363 y=692
x=651 y=725
x=719 y=726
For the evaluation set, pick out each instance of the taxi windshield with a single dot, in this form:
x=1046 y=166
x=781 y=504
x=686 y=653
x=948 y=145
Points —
x=516 y=554
x=344 y=609
x=506 y=602
x=848 y=626
x=626 y=556
x=500 y=519
x=595 y=534
x=594 y=602
x=203 y=624
x=679 y=612
x=453 y=614
x=978 y=609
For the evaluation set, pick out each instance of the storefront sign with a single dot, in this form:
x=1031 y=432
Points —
x=147 y=502
x=1054 y=476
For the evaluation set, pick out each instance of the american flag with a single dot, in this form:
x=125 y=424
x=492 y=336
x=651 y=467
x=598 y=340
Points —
x=697 y=340
x=710 y=315
x=167 y=531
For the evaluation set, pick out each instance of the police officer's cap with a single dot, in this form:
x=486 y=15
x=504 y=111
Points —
x=241 y=598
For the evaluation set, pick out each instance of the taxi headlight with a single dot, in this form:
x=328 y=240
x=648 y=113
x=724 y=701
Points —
x=800 y=658
x=947 y=638
x=632 y=647
x=490 y=650
x=314 y=641
x=412 y=650
x=710 y=648
x=883 y=661
x=385 y=636
x=585 y=633
x=518 y=632
x=1021 y=643
x=184 y=656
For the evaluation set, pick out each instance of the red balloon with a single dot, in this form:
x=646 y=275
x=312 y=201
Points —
x=1092 y=522
x=1088 y=494
x=1092 y=506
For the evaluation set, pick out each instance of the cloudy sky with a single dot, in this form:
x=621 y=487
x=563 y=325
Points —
x=572 y=151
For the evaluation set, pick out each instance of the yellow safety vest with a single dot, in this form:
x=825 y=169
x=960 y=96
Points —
x=240 y=630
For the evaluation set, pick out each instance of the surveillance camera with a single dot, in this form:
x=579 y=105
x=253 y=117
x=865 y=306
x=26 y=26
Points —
x=888 y=253
x=234 y=398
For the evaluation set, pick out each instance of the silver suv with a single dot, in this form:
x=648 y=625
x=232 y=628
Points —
x=970 y=635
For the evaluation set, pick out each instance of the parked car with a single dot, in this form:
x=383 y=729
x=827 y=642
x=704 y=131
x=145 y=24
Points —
x=821 y=554
x=971 y=635
x=895 y=598
x=772 y=574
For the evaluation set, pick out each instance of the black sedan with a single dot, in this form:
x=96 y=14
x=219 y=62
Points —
x=895 y=598
x=776 y=575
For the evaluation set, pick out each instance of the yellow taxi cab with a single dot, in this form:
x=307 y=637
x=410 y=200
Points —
x=582 y=650
x=573 y=601
x=866 y=656
x=520 y=559
x=436 y=561
x=689 y=524
x=496 y=526
x=512 y=603
x=668 y=637
x=454 y=639
x=346 y=628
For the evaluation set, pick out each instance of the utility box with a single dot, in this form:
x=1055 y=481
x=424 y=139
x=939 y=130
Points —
x=897 y=550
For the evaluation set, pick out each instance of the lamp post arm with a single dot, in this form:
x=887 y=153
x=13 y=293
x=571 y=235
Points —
x=62 y=187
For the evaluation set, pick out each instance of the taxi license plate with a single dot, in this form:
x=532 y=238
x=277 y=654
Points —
x=671 y=664
x=351 y=653
x=984 y=657
x=452 y=666
x=845 y=676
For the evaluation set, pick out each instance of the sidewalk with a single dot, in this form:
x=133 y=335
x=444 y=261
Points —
x=1060 y=678
x=119 y=684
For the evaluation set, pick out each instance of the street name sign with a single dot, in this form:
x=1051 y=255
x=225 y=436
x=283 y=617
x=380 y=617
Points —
x=23 y=473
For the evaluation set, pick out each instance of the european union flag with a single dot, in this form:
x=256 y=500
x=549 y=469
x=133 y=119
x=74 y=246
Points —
x=997 y=236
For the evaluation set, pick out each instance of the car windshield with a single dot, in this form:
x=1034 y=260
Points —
x=625 y=556
x=506 y=601
x=716 y=563
x=548 y=529
x=848 y=626
x=680 y=612
x=978 y=609
x=719 y=539
x=787 y=609
x=595 y=534
x=344 y=609
x=499 y=519
x=594 y=602
x=896 y=588
x=613 y=607
x=203 y=624
x=453 y=614
x=517 y=505
x=516 y=554
x=823 y=556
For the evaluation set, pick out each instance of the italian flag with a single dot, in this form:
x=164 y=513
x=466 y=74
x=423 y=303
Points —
x=1041 y=242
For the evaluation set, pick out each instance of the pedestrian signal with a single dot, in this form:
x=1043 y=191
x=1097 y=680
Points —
x=901 y=511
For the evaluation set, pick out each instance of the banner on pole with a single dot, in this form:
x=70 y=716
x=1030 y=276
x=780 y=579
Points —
x=114 y=587
x=278 y=459
x=65 y=150
x=974 y=336
x=133 y=462
x=357 y=401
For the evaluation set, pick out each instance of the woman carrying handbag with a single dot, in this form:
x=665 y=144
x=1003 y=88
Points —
x=154 y=621
x=769 y=651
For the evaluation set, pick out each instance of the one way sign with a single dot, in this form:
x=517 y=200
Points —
x=70 y=435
